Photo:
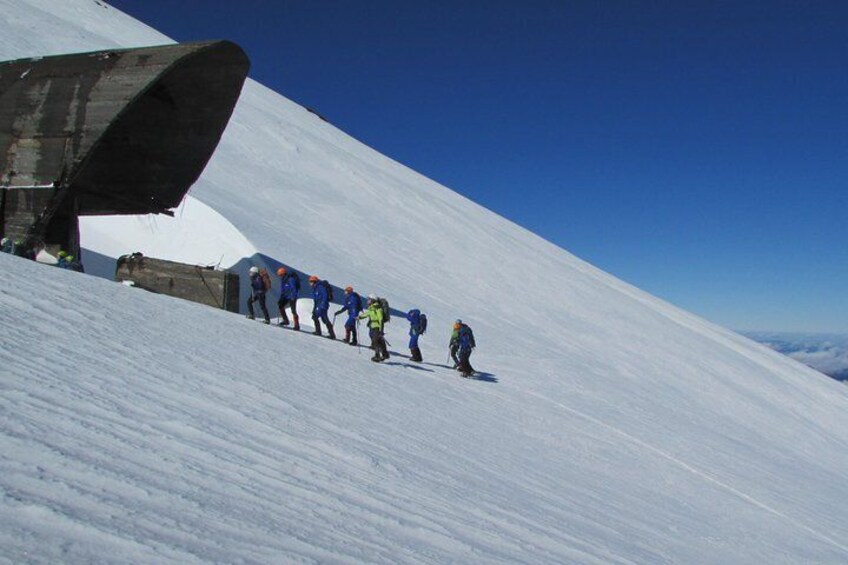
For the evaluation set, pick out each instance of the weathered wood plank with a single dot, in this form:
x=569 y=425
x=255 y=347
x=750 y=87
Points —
x=205 y=285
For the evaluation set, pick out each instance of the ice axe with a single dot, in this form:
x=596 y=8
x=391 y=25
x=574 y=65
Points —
x=358 y=335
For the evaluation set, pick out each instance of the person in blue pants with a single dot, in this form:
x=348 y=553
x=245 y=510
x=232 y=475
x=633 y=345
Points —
x=289 y=291
x=417 y=326
x=321 y=305
x=353 y=306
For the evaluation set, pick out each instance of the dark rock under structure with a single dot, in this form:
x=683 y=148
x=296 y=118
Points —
x=110 y=132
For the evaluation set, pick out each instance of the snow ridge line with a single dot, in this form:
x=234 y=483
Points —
x=702 y=474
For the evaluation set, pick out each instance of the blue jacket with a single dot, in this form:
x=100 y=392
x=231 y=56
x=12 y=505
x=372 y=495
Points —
x=319 y=296
x=414 y=317
x=290 y=287
x=257 y=285
x=352 y=305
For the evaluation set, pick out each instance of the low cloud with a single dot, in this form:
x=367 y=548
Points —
x=823 y=352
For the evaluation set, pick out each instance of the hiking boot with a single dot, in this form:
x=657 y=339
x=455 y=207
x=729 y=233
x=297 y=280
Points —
x=331 y=334
x=266 y=321
x=376 y=359
x=296 y=328
x=250 y=317
x=354 y=342
x=316 y=332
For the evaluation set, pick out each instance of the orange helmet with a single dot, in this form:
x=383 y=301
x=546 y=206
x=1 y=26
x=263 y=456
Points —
x=281 y=271
x=313 y=279
x=348 y=289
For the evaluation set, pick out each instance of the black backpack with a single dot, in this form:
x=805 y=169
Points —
x=384 y=304
x=329 y=290
x=466 y=331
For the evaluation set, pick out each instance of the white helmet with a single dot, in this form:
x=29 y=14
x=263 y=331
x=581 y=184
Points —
x=254 y=270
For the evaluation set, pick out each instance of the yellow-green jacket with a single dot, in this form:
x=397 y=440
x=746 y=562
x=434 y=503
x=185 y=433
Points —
x=454 y=340
x=374 y=313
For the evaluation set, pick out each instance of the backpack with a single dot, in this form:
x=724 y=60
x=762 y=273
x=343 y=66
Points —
x=266 y=279
x=329 y=290
x=295 y=280
x=356 y=304
x=384 y=304
x=466 y=331
x=421 y=326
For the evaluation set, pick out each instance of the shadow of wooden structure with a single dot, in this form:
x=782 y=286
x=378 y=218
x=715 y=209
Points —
x=205 y=285
x=111 y=132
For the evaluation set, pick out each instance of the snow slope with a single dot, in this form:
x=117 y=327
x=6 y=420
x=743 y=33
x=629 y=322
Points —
x=613 y=427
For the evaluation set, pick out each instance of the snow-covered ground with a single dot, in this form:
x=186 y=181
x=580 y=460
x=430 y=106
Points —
x=611 y=427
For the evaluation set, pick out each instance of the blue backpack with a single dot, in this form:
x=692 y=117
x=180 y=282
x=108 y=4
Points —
x=421 y=327
x=296 y=280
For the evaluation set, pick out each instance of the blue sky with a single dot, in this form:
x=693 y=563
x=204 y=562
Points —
x=698 y=150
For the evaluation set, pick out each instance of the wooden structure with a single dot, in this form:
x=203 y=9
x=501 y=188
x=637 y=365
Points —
x=110 y=132
x=205 y=285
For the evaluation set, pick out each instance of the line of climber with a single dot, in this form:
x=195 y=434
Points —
x=376 y=311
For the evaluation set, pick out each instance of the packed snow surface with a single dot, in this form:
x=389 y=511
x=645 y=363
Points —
x=607 y=427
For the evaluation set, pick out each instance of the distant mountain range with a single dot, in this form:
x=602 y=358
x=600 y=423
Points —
x=827 y=353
